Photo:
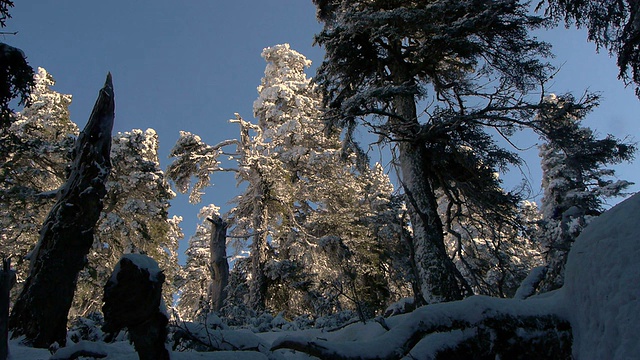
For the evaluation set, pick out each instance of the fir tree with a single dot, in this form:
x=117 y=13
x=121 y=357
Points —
x=575 y=179
x=301 y=188
x=473 y=64
x=36 y=153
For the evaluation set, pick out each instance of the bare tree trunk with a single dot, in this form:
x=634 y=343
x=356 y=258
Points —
x=437 y=276
x=436 y=273
x=219 y=264
x=258 y=287
x=41 y=311
x=259 y=248
x=7 y=280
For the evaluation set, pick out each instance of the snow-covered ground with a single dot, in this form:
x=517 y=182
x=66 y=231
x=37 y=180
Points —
x=601 y=299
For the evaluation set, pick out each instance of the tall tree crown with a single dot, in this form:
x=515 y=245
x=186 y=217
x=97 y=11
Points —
x=379 y=49
x=16 y=76
x=612 y=24
x=472 y=62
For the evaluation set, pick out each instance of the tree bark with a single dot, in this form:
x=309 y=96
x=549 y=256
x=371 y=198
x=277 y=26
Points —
x=40 y=313
x=436 y=274
x=259 y=252
x=219 y=264
x=7 y=280
x=437 y=278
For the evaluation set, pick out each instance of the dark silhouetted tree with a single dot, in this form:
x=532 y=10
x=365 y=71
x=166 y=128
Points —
x=40 y=313
x=611 y=24
x=16 y=76
x=471 y=65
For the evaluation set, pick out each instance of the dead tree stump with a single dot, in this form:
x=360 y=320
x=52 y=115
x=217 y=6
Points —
x=219 y=265
x=133 y=299
x=41 y=310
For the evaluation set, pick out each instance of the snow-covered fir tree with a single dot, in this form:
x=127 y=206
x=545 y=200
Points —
x=576 y=179
x=301 y=188
x=195 y=277
x=327 y=195
x=36 y=151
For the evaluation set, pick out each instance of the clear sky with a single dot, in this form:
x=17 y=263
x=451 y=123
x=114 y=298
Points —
x=191 y=65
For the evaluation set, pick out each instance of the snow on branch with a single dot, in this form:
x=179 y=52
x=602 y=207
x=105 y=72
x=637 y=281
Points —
x=477 y=325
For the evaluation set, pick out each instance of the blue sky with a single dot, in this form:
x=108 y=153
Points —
x=192 y=65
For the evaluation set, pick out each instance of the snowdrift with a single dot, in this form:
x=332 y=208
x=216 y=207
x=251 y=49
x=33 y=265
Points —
x=602 y=285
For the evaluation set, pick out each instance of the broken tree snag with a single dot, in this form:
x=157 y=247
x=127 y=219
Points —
x=7 y=280
x=40 y=313
x=219 y=264
x=475 y=328
x=133 y=300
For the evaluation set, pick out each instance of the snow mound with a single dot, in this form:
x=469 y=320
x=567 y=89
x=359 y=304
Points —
x=602 y=285
x=140 y=261
x=83 y=348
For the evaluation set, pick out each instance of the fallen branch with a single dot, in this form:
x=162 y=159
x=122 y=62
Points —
x=492 y=328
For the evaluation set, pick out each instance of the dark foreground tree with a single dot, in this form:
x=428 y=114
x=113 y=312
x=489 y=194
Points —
x=612 y=24
x=133 y=299
x=16 y=80
x=4 y=11
x=16 y=76
x=471 y=63
x=40 y=313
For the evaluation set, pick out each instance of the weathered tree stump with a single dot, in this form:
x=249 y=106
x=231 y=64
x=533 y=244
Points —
x=219 y=264
x=133 y=299
x=7 y=280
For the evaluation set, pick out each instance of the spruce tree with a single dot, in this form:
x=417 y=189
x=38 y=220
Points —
x=301 y=188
